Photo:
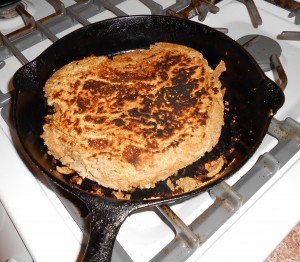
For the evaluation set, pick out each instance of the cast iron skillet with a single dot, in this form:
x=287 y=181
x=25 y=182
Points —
x=252 y=98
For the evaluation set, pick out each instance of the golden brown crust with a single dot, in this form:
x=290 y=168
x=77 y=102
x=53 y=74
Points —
x=136 y=119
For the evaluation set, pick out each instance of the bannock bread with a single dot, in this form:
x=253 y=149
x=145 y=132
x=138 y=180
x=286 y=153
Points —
x=136 y=118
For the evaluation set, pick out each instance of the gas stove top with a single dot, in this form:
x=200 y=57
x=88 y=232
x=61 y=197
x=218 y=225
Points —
x=259 y=208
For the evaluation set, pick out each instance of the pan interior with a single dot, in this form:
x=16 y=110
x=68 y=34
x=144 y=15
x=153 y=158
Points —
x=251 y=98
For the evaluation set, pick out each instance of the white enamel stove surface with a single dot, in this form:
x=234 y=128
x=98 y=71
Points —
x=49 y=232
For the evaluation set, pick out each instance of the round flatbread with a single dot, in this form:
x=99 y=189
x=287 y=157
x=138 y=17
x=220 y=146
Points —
x=136 y=118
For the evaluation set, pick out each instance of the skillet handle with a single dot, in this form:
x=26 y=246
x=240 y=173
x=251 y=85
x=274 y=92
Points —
x=106 y=219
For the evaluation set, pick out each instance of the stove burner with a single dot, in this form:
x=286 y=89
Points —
x=261 y=48
x=8 y=9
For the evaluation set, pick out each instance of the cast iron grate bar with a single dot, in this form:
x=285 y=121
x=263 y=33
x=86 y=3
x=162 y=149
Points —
x=289 y=35
x=280 y=76
x=253 y=12
x=16 y=52
x=41 y=27
x=199 y=8
x=109 y=6
x=81 y=12
x=77 y=17
x=155 y=8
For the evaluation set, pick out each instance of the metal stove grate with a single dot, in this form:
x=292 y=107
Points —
x=63 y=18
x=227 y=200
